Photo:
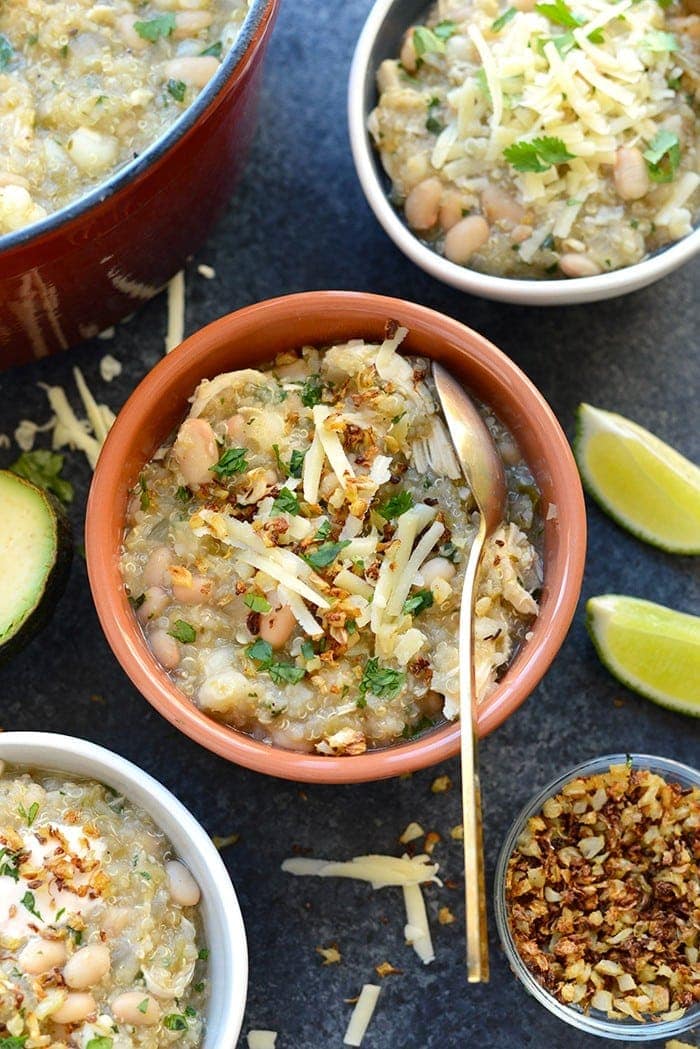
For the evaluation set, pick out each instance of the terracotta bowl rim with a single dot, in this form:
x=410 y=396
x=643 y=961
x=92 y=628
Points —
x=124 y=635
x=234 y=62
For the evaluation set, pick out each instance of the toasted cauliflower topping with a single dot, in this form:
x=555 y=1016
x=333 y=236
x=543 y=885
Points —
x=296 y=552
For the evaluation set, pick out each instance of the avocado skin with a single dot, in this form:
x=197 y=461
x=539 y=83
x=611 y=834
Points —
x=55 y=581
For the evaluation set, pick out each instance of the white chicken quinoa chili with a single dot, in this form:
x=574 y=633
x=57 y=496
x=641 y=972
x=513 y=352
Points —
x=295 y=553
x=545 y=139
x=100 y=941
x=86 y=87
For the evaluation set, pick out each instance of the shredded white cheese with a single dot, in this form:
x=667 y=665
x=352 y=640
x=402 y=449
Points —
x=208 y=272
x=110 y=367
x=176 y=312
x=262 y=1039
x=417 y=930
x=378 y=870
x=362 y=1014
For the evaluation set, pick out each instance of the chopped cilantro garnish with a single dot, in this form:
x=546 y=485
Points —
x=260 y=651
x=175 y=1022
x=426 y=41
x=155 y=28
x=76 y=935
x=326 y=554
x=145 y=499
x=293 y=469
x=419 y=601
x=538 y=154
x=8 y=864
x=285 y=502
x=283 y=673
x=445 y=29
x=361 y=703
x=29 y=816
x=409 y=731
x=395 y=506
x=560 y=13
x=323 y=530
x=59 y=913
x=145 y=875
x=658 y=41
x=183 y=494
x=43 y=469
x=307 y=650
x=213 y=49
x=189 y=1011
x=433 y=125
x=233 y=461
x=136 y=602
x=203 y=954
x=6 y=53
x=29 y=902
x=143 y=1006
x=312 y=391
x=177 y=89
x=198 y=987
x=257 y=603
x=101 y=1041
x=663 y=156
x=382 y=682
x=183 y=632
x=507 y=16
x=18 y=1042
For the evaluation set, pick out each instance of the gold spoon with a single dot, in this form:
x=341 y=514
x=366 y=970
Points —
x=483 y=468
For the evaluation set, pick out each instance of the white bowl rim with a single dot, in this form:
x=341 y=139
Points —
x=221 y=914
x=504 y=289
x=591 y=1023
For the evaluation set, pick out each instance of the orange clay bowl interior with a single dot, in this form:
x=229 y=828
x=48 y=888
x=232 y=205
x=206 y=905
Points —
x=251 y=337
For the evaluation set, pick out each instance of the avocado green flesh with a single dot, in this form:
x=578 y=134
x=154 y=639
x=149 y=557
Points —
x=29 y=549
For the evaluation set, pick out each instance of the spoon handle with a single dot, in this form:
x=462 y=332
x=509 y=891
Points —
x=474 y=877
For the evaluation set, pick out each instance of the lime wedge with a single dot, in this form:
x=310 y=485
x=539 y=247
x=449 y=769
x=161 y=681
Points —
x=645 y=485
x=649 y=648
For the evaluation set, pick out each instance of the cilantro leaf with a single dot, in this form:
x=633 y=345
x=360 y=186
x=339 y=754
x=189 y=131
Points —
x=285 y=502
x=560 y=13
x=426 y=42
x=155 y=28
x=18 y=1042
x=6 y=53
x=296 y=463
x=382 y=682
x=312 y=391
x=663 y=156
x=100 y=1042
x=183 y=632
x=323 y=530
x=175 y=1022
x=213 y=49
x=417 y=602
x=143 y=1006
x=432 y=124
x=503 y=20
x=183 y=493
x=410 y=731
x=257 y=603
x=538 y=154
x=43 y=469
x=177 y=89
x=326 y=554
x=260 y=651
x=31 y=815
x=307 y=650
x=395 y=506
x=658 y=41
x=445 y=29
x=8 y=866
x=285 y=673
x=232 y=461
x=145 y=499
x=29 y=902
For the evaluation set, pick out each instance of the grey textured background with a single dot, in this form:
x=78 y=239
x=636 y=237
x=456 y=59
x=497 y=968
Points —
x=298 y=222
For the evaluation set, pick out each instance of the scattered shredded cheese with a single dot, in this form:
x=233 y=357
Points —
x=417 y=930
x=379 y=871
x=208 y=272
x=362 y=1014
x=262 y=1039
x=176 y=312
x=110 y=367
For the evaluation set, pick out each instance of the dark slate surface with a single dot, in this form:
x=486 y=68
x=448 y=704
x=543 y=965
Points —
x=300 y=222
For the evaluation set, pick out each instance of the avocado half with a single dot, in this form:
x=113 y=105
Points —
x=36 y=550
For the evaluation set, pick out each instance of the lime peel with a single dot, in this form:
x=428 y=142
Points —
x=645 y=485
x=651 y=649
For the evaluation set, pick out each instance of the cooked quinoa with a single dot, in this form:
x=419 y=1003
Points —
x=95 y=947
x=295 y=553
x=86 y=86
x=545 y=139
x=603 y=893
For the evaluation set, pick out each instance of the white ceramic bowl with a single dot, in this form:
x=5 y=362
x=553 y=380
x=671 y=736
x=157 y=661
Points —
x=380 y=39
x=221 y=915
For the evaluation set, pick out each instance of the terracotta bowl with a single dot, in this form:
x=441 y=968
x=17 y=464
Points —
x=250 y=337
x=76 y=272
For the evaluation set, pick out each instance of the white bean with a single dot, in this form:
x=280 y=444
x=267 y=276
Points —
x=154 y=601
x=74 y=1008
x=91 y=151
x=388 y=75
x=465 y=238
x=450 y=209
x=136 y=1008
x=196 y=451
x=164 y=648
x=407 y=54
x=276 y=626
x=189 y=23
x=39 y=955
x=236 y=428
x=87 y=966
x=437 y=568
x=498 y=206
x=423 y=203
x=193 y=69
x=196 y=594
x=183 y=888
x=155 y=572
x=573 y=264
x=125 y=28
x=630 y=174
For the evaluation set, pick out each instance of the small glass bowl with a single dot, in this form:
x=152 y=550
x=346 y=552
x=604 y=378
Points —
x=593 y=1022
